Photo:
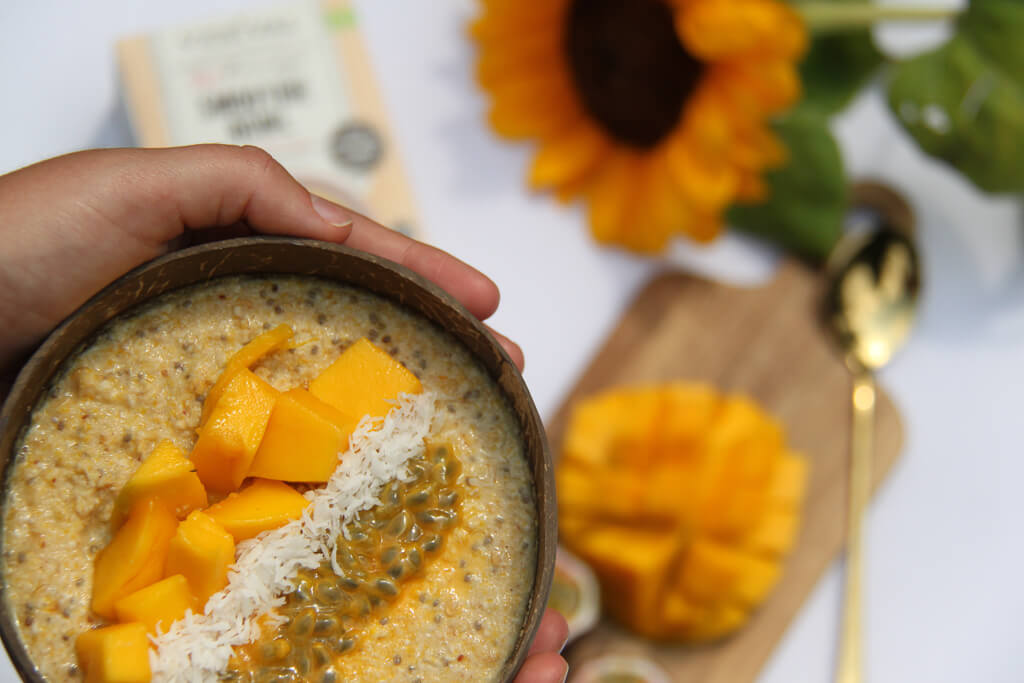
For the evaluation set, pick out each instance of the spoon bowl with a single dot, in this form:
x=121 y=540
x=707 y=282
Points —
x=871 y=302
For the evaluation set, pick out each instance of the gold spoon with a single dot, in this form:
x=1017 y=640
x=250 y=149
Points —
x=870 y=304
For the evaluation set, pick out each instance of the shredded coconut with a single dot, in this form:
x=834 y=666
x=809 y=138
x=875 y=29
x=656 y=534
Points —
x=198 y=647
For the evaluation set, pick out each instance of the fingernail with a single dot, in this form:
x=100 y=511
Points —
x=331 y=212
x=564 y=643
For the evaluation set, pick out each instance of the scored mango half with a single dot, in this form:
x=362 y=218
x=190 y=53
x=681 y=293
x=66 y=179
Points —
x=683 y=501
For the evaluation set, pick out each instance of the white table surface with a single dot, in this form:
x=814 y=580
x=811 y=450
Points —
x=945 y=546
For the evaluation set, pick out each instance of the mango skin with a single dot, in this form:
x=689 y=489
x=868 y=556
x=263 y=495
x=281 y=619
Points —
x=263 y=505
x=157 y=605
x=135 y=556
x=166 y=474
x=303 y=439
x=114 y=654
x=201 y=551
x=363 y=380
x=228 y=441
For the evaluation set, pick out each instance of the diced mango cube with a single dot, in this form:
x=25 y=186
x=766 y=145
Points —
x=166 y=474
x=687 y=411
x=158 y=605
x=228 y=441
x=135 y=557
x=716 y=623
x=201 y=551
x=265 y=504
x=679 y=613
x=631 y=560
x=774 y=533
x=114 y=654
x=244 y=358
x=303 y=440
x=363 y=380
x=758 y=577
x=709 y=571
x=788 y=481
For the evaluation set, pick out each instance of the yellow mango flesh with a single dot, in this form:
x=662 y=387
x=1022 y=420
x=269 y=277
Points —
x=263 y=505
x=630 y=593
x=114 y=654
x=158 y=605
x=709 y=570
x=363 y=380
x=774 y=533
x=788 y=483
x=228 y=441
x=303 y=440
x=135 y=556
x=716 y=622
x=244 y=358
x=683 y=501
x=166 y=474
x=201 y=551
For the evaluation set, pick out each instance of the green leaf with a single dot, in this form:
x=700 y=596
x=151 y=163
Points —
x=808 y=196
x=964 y=102
x=836 y=67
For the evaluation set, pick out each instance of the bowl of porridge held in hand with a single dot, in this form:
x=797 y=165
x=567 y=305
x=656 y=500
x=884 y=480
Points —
x=273 y=459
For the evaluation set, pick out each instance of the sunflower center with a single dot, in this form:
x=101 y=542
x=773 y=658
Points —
x=632 y=73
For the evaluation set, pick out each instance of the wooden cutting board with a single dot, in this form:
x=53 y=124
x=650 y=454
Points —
x=766 y=343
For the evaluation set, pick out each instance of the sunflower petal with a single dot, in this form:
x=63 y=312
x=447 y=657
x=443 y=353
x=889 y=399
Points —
x=539 y=106
x=752 y=189
x=709 y=184
x=512 y=19
x=659 y=211
x=502 y=60
x=567 y=157
x=757 y=149
x=707 y=124
x=517 y=120
x=774 y=83
x=610 y=194
x=705 y=227
x=568 y=191
x=722 y=29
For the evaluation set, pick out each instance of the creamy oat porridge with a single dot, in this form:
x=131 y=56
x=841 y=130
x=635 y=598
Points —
x=434 y=580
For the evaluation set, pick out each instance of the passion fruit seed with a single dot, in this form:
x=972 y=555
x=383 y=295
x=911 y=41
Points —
x=378 y=553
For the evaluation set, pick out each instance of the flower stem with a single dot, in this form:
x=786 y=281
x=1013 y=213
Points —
x=832 y=16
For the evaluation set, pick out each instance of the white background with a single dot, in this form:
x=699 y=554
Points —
x=944 y=569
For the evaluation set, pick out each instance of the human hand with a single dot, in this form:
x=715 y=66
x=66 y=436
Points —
x=73 y=224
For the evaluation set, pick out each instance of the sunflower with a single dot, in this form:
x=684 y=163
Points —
x=653 y=111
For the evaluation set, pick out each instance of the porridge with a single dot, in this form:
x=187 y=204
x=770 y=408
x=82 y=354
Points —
x=429 y=584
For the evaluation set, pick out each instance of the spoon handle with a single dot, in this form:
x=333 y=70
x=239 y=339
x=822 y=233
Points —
x=851 y=656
